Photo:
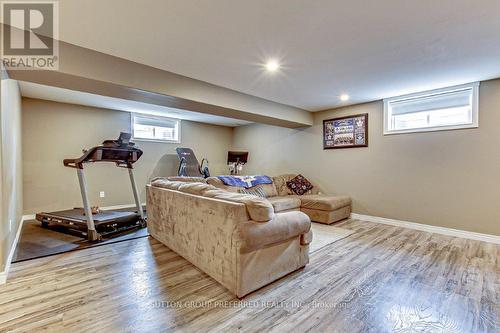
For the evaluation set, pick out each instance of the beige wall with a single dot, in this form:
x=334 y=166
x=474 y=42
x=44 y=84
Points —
x=443 y=178
x=447 y=178
x=11 y=167
x=54 y=131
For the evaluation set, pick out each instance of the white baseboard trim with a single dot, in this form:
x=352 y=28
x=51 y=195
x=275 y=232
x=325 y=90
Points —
x=429 y=228
x=28 y=217
x=5 y=273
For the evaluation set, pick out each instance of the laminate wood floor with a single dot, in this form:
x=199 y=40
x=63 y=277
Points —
x=379 y=279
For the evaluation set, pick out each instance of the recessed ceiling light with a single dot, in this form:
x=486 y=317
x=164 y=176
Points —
x=272 y=65
x=344 y=97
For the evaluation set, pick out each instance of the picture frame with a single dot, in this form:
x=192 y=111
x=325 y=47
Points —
x=346 y=132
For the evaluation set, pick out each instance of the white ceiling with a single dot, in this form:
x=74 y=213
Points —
x=34 y=90
x=370 y=49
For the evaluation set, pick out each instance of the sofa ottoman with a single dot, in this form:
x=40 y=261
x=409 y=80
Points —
x=325 y=208
x=320 y=208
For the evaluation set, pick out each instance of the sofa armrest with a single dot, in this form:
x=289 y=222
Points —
x=253 y=235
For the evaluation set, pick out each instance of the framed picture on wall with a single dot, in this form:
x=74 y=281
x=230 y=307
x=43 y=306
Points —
x=346 y=132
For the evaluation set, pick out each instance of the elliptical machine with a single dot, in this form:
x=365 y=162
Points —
x=189 y=166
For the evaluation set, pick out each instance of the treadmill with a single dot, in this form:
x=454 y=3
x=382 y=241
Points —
x=81 y=221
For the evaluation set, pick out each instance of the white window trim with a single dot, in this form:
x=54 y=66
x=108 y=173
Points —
x=475 y=109
x=134 y=138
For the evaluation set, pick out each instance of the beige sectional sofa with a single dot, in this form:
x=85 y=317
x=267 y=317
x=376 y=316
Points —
x=319 y=207
x=242 y=241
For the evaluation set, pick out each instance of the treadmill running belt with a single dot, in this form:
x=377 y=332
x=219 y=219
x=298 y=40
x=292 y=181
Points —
x=103 y=216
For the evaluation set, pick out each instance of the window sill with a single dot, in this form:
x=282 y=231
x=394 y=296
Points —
x=155 y=140
x=431 y=129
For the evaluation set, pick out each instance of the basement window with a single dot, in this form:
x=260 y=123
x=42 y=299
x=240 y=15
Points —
x=436 y=110
x=155 y=128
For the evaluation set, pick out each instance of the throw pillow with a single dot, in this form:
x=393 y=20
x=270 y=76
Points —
x=256 y=190
x=299 y=185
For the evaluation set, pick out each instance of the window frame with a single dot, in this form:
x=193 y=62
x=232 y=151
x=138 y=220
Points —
x=424 y=94
x=146 y=115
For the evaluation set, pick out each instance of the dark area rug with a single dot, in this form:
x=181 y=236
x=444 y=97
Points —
x=36 y=242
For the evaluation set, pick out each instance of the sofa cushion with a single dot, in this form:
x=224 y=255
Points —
x=299 y=185
x=187 y=179
x=219 y=184
x=259 y=209
x=165 y=183
x=213 y=193
x=269 y=189
x=284 y=203
x=256 y=190
x=324 y=202
x=280 y=184
x=282 y=189
x=282 y=227
x=196 y=188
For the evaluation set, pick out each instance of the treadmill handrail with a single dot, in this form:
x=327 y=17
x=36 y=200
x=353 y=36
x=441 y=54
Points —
x=95 y=154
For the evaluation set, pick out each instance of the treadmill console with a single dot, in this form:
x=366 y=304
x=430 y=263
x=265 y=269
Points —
x=121 y=151
x=123 y=141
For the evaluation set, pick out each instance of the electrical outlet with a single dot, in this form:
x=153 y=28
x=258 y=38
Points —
x=102 y=194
